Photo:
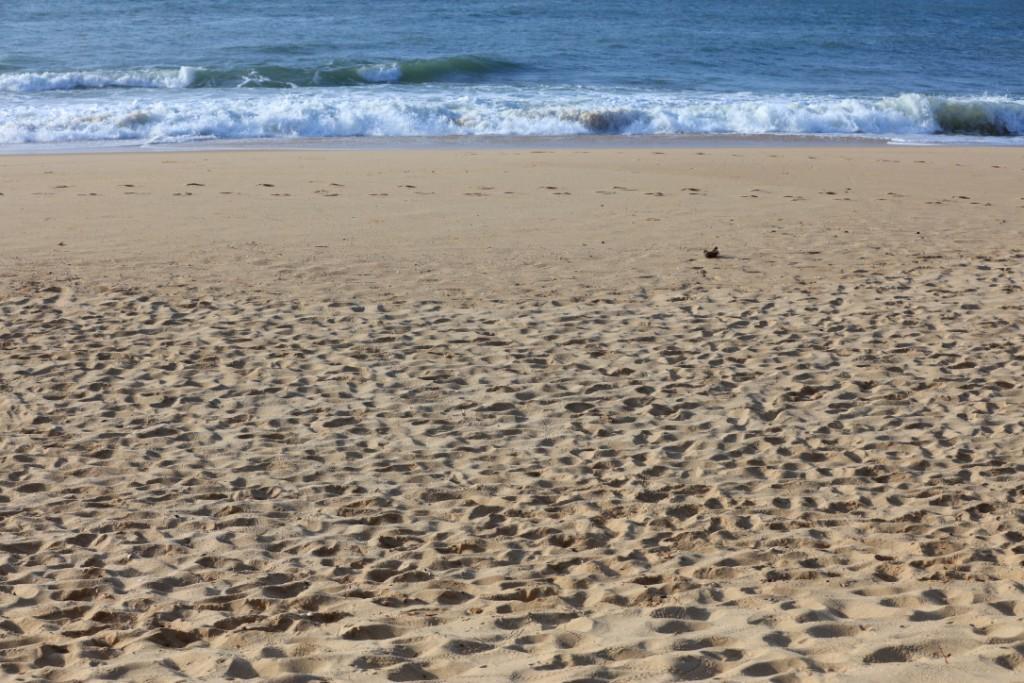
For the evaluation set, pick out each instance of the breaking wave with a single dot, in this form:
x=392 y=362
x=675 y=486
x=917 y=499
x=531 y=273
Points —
x=190 y=114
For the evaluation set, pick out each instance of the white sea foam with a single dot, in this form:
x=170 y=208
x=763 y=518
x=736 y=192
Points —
x=438 y=110
x=380 y=73
x=41 y=81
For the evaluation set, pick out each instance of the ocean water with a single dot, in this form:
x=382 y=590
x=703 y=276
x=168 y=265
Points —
x=164 y=72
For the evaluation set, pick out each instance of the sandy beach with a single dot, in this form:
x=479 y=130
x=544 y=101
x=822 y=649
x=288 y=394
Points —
x=491 y=415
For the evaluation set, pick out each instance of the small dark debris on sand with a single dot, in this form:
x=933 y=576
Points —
x=711 y=253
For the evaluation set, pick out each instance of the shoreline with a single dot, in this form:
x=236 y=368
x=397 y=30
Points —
x=511 y=142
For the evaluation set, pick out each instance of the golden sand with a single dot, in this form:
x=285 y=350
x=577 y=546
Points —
x=491 y=415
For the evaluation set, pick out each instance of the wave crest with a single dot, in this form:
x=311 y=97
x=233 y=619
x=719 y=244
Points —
x=439 y=70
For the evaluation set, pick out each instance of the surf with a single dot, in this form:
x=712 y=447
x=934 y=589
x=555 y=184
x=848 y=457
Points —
x=188 y=113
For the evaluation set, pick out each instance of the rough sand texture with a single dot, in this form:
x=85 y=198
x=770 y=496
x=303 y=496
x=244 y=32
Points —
x=492 y=416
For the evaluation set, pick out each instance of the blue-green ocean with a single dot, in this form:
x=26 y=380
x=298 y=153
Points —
x=161 y=71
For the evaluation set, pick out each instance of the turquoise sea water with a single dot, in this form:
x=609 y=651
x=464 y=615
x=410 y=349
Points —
x=163 y=72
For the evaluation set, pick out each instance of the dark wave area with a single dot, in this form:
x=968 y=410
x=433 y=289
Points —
x=960 y=117
x=462 y=68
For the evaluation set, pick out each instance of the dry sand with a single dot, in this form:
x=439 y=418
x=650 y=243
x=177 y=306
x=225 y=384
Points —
x=490 y=415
